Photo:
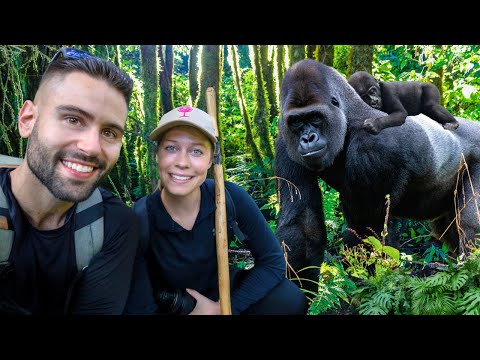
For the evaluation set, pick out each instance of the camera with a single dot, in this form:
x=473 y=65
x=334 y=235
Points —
x=176 y=301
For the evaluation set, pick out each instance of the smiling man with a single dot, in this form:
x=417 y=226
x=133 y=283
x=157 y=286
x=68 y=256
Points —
x=74 y=127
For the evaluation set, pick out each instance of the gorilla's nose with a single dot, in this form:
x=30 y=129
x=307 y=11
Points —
x=311 y=143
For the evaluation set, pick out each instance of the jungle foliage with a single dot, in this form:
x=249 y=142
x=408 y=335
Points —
x=247 y=80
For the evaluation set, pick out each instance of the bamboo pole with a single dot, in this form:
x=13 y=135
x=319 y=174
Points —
x=220 y=213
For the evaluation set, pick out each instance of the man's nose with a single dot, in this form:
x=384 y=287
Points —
x=90 y=142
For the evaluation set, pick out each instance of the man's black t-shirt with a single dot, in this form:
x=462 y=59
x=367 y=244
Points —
x=44 y=263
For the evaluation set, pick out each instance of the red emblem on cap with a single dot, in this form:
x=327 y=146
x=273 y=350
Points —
x=184 y=109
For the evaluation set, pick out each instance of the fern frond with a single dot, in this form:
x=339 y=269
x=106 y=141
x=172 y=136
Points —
x=371 y=308
x=470 y=304
x=459 y=279
x=438 y=279
x=384 y=300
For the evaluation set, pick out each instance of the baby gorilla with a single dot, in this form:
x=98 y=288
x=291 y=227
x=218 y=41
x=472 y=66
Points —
x=400 y=99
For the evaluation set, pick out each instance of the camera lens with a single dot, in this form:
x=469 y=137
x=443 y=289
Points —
x=177 y=301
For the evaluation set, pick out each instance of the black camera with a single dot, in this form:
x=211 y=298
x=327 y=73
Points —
x=177 y=301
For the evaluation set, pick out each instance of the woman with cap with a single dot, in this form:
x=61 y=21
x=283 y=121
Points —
x=179 y=262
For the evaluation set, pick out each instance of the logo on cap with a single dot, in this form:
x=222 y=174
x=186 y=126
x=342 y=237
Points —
x=184 y=109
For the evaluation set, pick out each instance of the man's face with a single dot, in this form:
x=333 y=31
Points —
x=75 y=135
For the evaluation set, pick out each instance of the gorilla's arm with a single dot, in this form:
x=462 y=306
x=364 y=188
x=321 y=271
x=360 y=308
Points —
x=399 y=99
x=393 y=106
x=301 y=225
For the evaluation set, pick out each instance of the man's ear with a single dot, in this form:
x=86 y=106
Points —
x=26 y=118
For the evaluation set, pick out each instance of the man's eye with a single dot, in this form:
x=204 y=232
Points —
x=110 y=134
x=72 y=120
x=170 y=148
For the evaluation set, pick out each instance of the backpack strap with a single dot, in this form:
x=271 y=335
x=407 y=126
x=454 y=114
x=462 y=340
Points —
x=9 y=161
x=6 y=235
x=89 y=228
x=233 y=220
x=140 y=208
x=231 y=211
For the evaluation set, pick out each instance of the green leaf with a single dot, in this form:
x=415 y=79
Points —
x=392 y=252
x=377 y=245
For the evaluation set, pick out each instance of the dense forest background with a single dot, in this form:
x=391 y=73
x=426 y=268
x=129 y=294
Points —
x=247 y=80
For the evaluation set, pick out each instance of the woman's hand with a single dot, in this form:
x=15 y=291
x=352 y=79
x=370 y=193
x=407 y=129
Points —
x=204 y=305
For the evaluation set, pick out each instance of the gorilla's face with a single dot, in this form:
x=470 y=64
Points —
x=313 y=124
x=373 y=97
x=368 y=88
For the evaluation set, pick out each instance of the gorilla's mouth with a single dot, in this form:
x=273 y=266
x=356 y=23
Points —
x=313 y=155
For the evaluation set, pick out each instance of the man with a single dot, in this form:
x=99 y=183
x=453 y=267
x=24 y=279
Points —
x=74 y=127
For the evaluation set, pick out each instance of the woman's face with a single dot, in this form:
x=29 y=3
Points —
x=184 y=156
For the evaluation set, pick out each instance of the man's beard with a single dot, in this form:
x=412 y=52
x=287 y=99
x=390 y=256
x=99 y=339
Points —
x=43 y=162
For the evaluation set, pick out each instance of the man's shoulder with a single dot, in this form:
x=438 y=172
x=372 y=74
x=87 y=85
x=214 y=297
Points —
x=113 y=204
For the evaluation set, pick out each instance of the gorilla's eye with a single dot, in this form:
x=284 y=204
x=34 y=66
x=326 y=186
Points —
x=335 y=102
x=295 y=124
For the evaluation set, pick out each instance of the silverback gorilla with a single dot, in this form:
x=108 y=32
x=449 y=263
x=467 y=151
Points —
x=399 y=99
x=321 y=134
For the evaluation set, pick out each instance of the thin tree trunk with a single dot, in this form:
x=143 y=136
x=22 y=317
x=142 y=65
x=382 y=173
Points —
x=280 y=67
x=261 y=111
x=237 y=81
x=166 y=73
x=211 y=59
x=150 y=106
x=360 y=59
x=296 y=53
x=267 y=70
x=193 y=72
x=325 y=54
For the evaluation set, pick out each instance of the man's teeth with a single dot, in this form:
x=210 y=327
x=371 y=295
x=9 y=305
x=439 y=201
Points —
x=77 y=167
x=178 y=177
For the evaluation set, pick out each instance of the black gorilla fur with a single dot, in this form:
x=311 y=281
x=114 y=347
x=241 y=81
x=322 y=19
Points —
x=400 y=99
x=321 y=134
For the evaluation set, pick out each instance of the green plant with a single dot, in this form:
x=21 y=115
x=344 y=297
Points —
x=334 y=286
x=370 y=256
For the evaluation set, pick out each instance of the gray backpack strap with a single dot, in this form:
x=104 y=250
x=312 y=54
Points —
x=9 y=161
x=6 y=236
x=89 y=228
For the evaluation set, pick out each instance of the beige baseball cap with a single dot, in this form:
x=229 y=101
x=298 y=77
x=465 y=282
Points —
x=185 y=115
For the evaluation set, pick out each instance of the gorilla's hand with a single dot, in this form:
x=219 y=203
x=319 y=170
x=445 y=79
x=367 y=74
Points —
x=450 y=126
x=371 y=126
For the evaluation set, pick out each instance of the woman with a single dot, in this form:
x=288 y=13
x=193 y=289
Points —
x=180 y=250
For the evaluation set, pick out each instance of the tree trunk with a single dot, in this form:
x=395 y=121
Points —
x=280 y=62
x=150 y=107
x=237 y=81
x=296 y=53
x=193 y=72
x=325 y=54
x=211 y=58
x=360 y=59
x=261 y=111
x=166 y=74
x=267 y=71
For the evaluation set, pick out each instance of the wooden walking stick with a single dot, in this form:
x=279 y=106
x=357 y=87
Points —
x=220 y=214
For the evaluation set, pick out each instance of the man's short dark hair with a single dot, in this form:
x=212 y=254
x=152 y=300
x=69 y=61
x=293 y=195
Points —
x=95 y=67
